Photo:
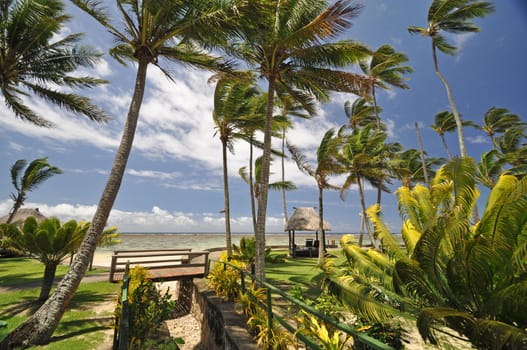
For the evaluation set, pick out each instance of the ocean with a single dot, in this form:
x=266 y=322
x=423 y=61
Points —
x=201 y=241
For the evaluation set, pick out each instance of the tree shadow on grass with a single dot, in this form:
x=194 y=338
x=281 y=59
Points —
x=79 y=327
x=28 y=306
x=86 y=299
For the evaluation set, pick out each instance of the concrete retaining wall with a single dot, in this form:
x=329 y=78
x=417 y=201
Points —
x=221 y=327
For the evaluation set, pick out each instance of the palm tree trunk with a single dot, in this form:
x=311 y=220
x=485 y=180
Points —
x=47 y=282
x=375 y=107
x=459 y=125
x=364 y=217
x=421 y=152
x=284 y=203
x=16 y=206
x=41 y=325
x=251 y=183
x=264 y=182
x=446 y=147
x=228 y=240
x=322 y=238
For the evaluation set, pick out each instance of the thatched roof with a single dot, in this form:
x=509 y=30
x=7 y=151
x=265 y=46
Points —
x=22 y=214
x=305 y=219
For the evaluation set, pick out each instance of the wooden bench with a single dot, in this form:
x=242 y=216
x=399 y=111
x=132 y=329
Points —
x=162 y=265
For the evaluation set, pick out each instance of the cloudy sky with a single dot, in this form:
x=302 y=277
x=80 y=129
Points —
x=173 y=181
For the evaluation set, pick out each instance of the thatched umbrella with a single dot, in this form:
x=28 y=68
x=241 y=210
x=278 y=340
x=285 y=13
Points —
x=22 y=214
x=303 y=219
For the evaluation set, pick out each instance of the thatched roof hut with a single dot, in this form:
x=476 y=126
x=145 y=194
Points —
x=304 y=219
x=22 y=214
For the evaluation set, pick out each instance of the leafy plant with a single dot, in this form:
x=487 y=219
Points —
x=148 y=308
x=471 y=279
x=327 y=340
x=224 y=279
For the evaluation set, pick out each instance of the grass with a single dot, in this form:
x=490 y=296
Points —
x=82 y=326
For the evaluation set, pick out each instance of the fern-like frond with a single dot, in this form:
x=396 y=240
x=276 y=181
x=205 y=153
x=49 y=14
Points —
x=389 y=243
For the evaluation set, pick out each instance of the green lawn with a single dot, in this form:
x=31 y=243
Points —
x=82 y=326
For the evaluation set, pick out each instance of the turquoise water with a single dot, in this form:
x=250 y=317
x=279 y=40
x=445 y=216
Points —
x=200 y=241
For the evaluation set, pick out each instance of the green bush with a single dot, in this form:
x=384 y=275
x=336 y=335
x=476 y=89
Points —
x=148 y=309
x=224 y=279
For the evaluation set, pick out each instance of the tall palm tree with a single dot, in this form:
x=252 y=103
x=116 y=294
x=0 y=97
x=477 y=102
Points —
x=35 y=55
x=232 y=106
x=152 y=31
x=290 y=44
x=386 y=67
x=361 y=113
x=34 y=175
x=452 y=16
x=326 y=165
x=499 y=120
x=444 y=122
x=407 y=167
x=362 y=159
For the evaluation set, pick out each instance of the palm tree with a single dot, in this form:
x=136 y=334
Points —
x=34 y=175
x=361 y=158
x=385 y=66
x=290 y=45
x=153 y=30
x=444 y=122
x=499 y=120
x=326 y=165
x=452 y=16
x=361 y=113
x=35 y=55
x=232 y=106
x=407 y=167
x=469 y=278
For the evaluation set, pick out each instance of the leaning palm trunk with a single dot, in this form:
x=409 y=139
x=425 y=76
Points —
x=228 y=239
x=251 y=184
x=41 y=325
x=422 y=154
x=50 y=270
x=459 y=125
x=364 y=217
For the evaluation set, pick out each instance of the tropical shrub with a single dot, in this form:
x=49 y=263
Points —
x=49 y=242
x=224 y=279
x=148 y=309
x=470 y=278
x=327 y=340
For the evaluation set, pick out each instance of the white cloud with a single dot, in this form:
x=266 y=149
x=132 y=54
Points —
x=154 y=174
x=480 y=139
x=156 y=220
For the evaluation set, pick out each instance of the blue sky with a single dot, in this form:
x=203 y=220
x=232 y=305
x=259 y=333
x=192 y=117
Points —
x=173 y=181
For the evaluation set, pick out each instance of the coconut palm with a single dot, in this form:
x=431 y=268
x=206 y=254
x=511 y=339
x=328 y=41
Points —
x=470 y=278
x=361 y=157
x=232 y=106
x=490 y=167
x=152 y=31
x=361 y=113
x=499 y=120
x=451 y=16
x=387 y=69
x=34 y=175
x=291 y=45
x=36 y=58
x=326 y=165
x=407 y=167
